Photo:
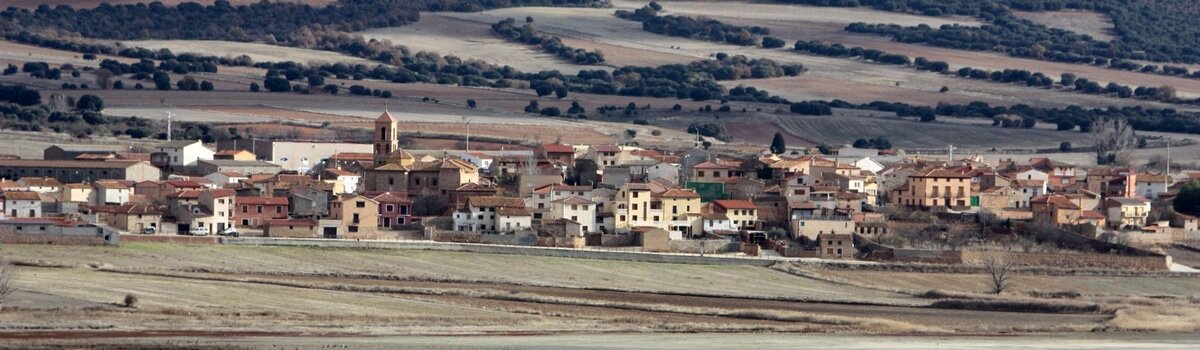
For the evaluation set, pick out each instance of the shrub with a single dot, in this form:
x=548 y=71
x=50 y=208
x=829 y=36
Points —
x=131 y=301
x=811 y=108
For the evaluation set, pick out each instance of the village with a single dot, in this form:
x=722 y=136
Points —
x=855 y=205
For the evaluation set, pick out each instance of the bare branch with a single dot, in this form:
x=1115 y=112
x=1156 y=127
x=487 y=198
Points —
x=1000 y=272
x=6 y=277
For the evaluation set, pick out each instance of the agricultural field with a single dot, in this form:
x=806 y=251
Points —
x=471 y=40
x=868 y=81
x=846 y=126
x=1098 y=25
x=977 y=283
x=317 y=291
x=257 y=52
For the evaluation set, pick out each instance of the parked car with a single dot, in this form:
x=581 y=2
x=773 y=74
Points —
x=149 y=230
x=232 y=232
x=198 y=231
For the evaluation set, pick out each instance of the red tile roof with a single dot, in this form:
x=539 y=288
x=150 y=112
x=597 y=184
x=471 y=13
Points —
x=353 y=156
x=709 y=165
x=735 y=204
x=22 y=196
x=557 y=148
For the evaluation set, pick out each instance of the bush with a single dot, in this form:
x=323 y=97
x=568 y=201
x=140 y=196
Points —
x=91 y=103
x=131 y=301
x=811 y=108
x=551 y=112
x=1064 y=147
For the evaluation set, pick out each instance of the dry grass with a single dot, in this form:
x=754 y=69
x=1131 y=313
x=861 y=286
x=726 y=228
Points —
x=1172 y=318
x=1097 y=25
x=498 y=268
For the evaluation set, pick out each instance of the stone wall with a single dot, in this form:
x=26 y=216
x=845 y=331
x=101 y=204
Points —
x=496 y=249
x=173 y=239
x=10 y=237
x=711 y=246
x=454 y=237
x=612 y=240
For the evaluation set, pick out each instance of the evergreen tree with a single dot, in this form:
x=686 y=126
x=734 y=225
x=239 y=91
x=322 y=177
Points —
x=778 y=145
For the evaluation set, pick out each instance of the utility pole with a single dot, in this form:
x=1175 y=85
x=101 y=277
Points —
x=169 y=116
x=1167 y=173
x=951 y=148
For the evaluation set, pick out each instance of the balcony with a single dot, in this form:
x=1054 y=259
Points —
x=621 y=211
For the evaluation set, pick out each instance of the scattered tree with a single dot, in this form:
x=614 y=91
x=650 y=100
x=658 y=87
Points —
x=778 y=145
x=1000 y=272
x=1113 y=138
x=91 y=103
x=1188 y=199
x=130 y=301
x=102 y=77
x=6 y=277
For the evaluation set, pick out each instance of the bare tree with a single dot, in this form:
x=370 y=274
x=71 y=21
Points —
x=1000 y=272
x=102 y=78
x=6 y=276
x=1113 y=138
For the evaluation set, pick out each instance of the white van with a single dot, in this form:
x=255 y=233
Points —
x=198 y=231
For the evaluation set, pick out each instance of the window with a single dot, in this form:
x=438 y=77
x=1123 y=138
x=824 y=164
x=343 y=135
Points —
x=259 y=209
x=245 y=209
x=635 y=195
x=403 y=210
x=389 y=208
x=278 y=209
x=574 y=207
x=360 y=204
x=353 y=228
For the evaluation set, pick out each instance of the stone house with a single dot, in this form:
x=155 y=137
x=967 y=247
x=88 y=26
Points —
x=291 y=228
x=356 y=216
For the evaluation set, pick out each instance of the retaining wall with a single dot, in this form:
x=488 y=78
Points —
x=172 y=239
x=498 y=249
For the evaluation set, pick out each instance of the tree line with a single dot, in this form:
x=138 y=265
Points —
x=526 y=34
x=1162 y=31
x=1068 y=118
x=250 y=22
x=1010 y=76
x=702 y=28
